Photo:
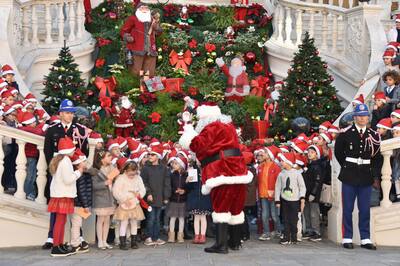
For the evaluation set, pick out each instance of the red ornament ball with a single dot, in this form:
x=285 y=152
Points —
x=250 y=57
x=317 y=52
x=89 y=92
x=77 y=97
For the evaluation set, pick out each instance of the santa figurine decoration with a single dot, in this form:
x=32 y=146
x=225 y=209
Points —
x=238 y=81
x=230 y=35
x=139 y=31
x=123 y=115
x=240 y=9
x=224 y=172
x=186 y=116
x=184 y=19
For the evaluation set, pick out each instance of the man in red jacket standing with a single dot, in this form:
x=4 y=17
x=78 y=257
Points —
x=224 y=172
x=139 y=31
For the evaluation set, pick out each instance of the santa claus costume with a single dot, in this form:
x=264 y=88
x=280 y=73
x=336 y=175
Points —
x=224 y=172
x=238 y=81
x=123 y=118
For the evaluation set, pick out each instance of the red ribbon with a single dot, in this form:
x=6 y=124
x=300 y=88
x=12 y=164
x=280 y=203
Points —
x=106 y=86
x=181 y=61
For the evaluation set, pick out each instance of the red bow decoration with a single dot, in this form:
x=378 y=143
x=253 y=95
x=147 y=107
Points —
x=259 y=86
x=155 y=117
x=210 y=47
x=106 y=86
x=103 y=42
x=100 y=62
x=181 y=61
x=269 y=109
x=105 y=103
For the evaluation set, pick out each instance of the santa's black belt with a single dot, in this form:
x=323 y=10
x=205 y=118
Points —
x=216 y=157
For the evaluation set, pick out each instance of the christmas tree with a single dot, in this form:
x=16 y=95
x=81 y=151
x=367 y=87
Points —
x=308 y=93
x=64 y=82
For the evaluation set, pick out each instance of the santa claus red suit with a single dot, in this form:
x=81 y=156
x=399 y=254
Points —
x=224 y=172
x=123 y=118
x=139 y=31
x=238 y=81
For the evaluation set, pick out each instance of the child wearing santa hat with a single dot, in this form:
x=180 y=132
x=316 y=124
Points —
x=381 y=108
x=8 y=75
x=29 y=124
x=290 y=192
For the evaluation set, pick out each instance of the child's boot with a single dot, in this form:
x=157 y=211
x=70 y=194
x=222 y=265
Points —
x=171 y=237
x=122 y=243
x=134 y=244
x=180 y=237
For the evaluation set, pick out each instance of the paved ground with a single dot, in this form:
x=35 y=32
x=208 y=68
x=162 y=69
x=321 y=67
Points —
x=253 y=253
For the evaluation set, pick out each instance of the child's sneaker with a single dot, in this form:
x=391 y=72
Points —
x=316 y=237
x=59 y=252
x=160 y=242
x=307 y=235
x=284 y=242
x=149 y=242
x=264 y=237
x=82 y=248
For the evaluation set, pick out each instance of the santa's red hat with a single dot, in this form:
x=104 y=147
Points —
x=96 y=137
x=121 y=162
x=333 y=129
x=395 y=113
x=273 y=151
x=258 y=150
x=284 y=148
x=379 y=95
x=207 y=110
x=393 y=45
x=138 y=156
x=133 y=145
x=385 y=123
x=8 y=110
x=389 y=53
x=184 y=153
x=301 y=160
x=121 y=141
x=154 y=142
x=327 y=137
x=27 y=118
x=78 y=157
x=325 y=125
x=359 y=99
x=7 y=69
x=180 y=159
x=54 y=119
x=299 y=146
x=112 y=143
x=65 y=146
x=288 y=157
x=6 y=94
x=317 y=149
x=30 y=98
x=156 y=149
x=42 y=114
x=26 y=104
x=13 y=91
x=18 y=105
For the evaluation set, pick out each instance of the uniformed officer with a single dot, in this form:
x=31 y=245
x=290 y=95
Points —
x=66 y=127
x=354 y=150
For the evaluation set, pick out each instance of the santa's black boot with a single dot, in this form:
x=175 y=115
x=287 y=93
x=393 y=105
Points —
x=235 y=233
x=221 y=244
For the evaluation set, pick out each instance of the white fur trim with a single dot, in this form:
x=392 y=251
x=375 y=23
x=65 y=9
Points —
x=123 y=125
x=66 y=151
x=201 y=124
x=187 y=137
x=221 y=217
x=283 y=158
x=8 y=72
x=237 y=219
x=205 y=111
x=114 y=145
x=29 y=121
x=225 y=180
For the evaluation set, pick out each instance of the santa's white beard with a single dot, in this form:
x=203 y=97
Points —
x=235 y=71
x=143 y=16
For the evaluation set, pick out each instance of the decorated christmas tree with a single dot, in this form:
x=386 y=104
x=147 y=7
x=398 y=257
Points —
x=64 y=82
x=308 y=93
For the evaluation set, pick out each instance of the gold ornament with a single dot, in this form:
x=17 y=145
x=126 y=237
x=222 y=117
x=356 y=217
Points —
x=69 y=93
x=285 y=119
x=159 y=58
x=319 y=92
x=61 y=68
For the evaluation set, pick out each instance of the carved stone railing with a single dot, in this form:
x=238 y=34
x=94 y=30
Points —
x=22 y=138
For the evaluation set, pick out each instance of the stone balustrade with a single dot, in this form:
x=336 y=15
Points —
x=22 y=138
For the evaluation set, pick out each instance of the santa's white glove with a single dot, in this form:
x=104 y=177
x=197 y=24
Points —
x=220 y=62
x=188 y=134
x=187 y=117
x=188 y=128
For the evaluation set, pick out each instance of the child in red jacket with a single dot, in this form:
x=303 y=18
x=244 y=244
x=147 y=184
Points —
x=32 y=154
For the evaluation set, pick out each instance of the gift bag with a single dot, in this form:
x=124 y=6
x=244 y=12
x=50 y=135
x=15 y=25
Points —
x=173 y=84
x=154 y=84
x=261 y=127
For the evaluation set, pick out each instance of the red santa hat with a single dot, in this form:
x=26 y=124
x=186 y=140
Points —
x=121 y=162
x=156 y=149
x=301 y=160
x=278 y=84
x=18 y=105
x=299 y=146
x=395 y=113
x=27 y=118
x=379 y=95
x=359 y=99
x=78 y=157
x=184 y=153
x=26 y=104
x=208 y=110
x=112 y=143
x=396 y=127
x=30 y=98
x=13 y=91
x=258 y=150
x=42 y=114
x=133 y=145
x=96 y=137
x=385 y=123
x=325 y=125
x=317 y=149
x=7 y=69
x=393 y=45
x=6 y=94
x=284 y=148
x=8 y=110
x=180 y=159
x=273 y=151
x=54 y=119
x=333 y=129
x=397 y=18
x=138 y=156
x=3 y=83
x=389 y=53
x=121 y=141
x=154 y=142
x=288 y=157
x=327 y=137
x=65 y=146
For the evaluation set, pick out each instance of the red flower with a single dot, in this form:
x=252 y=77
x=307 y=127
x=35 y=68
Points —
x=210 y=47
x=100 y=62
x=147 y=97
x=112 y=15
x=103 y=42
x=155 y=117
x=193 y=44
x=193 y=91
x=257 y=68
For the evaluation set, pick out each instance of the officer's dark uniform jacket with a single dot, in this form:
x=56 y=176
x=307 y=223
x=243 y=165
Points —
x=354 y=154
x=55 y=132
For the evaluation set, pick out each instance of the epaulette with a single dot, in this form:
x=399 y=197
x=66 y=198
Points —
x=346 y=128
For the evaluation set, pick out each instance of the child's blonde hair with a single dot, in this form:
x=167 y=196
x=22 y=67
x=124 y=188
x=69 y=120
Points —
x=54 y=163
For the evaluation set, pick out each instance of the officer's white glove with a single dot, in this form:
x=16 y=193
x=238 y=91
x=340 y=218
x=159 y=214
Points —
x=311 y=198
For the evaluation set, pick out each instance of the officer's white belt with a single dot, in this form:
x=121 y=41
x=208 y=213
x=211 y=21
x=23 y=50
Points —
x=357 y=160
